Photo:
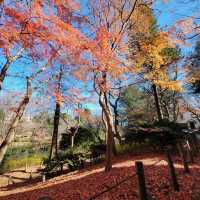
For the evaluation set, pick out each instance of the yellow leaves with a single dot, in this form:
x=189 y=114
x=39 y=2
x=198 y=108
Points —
x=193 y=76
x=153 y=63
x=142 y=19
x=152 y=56
x=152 y=49
x=134 y=69
x=170 y=85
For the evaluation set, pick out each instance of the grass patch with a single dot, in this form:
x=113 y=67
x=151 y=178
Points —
x=12 y=164
x=18 y=157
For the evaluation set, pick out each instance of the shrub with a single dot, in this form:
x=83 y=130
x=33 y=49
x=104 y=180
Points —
x=132 y=148
x=177 y=127
x=74 y=160
x=85 y=135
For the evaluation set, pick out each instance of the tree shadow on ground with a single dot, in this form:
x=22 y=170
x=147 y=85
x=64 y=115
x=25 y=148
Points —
x=90 y=181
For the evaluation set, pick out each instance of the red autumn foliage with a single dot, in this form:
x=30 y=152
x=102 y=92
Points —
x=84 y=184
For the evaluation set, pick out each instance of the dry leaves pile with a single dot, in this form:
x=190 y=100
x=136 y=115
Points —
x=88 y=182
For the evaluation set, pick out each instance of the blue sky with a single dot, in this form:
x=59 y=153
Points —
x=166 y=13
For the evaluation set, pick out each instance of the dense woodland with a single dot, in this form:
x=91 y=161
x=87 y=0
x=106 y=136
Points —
x=90 y=81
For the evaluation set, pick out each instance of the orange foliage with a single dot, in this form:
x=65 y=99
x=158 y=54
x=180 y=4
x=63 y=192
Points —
x=58 y=98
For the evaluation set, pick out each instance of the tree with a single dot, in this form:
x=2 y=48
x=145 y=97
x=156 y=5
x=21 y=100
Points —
x=193 y=72
x=31 y=31
x=116 y=98
x=110 y=20
x=136 y=107
x=19 y=113
x=152 y=54
x=58 y=97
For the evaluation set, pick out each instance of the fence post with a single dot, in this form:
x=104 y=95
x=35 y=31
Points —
x=10 y=181
x=189 y=150
x=31 y=176
x=43 y=178
x=195 y=144
x=141 y=180
x=26 y=168
x=185 y=163
x=172 y=172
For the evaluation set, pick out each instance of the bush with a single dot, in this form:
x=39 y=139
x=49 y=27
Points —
x=85 y=135
x=164 y=133
x=132 y=148
x=74 y=160
x=176 y=127
x=65 y=141
x=98 y=149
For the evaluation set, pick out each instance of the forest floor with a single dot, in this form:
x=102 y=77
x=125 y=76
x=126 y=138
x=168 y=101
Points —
x=83 y=184
x=20 y=177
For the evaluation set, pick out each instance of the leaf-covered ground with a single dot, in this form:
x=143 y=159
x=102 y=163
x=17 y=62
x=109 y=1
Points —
x=84 y=184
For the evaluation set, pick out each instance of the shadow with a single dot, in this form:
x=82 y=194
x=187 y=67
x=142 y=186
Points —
x=26 y=182
x=18 y=170
x=14 y=177
x=84 y=184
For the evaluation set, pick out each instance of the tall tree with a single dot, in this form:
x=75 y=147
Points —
x=27 y=29
x=136 y=107
x=110 y=20
x=19 y=113
x=58 y=97
x=152 y=53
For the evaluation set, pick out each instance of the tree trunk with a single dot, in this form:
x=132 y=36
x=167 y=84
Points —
x=7 y=65
x=113 y=143
x=157 y=103
x=54 y=142
x=110 y=129
x=73 y=131
x=165 y=107
x=19 y=113
x=175 y=108
x=117 y=132
x=105 y=124
x=72 y=141
x=3 y=73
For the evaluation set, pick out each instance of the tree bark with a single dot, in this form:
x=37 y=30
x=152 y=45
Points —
x=54 y=143
x=19 y=113
x=73 y=132
x=72 y=141
x=165 y=107
x=74 y=129
x=107 y=117
x=7 y=65
x=117 y=132
x=157 y=103
x=105 y=124
x=110 y=129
